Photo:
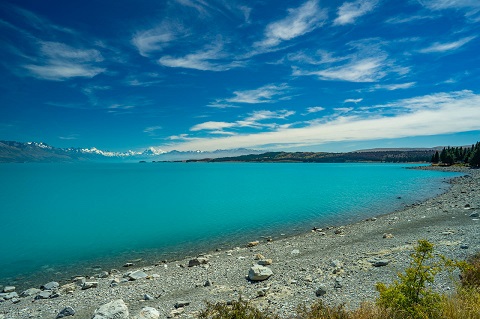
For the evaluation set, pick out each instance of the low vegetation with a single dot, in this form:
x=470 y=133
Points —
x=409 y=297
x=463 y=155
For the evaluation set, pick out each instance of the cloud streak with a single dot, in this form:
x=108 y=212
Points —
x=350 y=11
x=265 y=94
x=298 y=22
x=441 y=113
x=448 y=46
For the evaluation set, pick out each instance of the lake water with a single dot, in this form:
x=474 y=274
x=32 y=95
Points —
x=58 y=219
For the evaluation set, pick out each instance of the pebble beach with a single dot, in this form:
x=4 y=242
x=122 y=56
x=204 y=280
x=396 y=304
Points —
x=338 y=264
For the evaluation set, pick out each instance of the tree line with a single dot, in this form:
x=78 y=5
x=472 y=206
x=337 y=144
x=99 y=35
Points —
x=451 y=155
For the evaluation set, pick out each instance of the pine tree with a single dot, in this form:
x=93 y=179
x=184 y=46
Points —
x=474 y=159
x=435 y=158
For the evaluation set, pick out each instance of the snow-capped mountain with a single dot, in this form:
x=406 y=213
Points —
x=11 y=151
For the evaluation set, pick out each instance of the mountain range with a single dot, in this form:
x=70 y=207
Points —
x=11 y=151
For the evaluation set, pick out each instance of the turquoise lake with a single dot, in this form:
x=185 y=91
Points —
x=61 y=219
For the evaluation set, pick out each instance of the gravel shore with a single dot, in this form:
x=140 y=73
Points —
x=336 y=264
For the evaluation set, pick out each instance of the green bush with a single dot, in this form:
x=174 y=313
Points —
x=409 y=296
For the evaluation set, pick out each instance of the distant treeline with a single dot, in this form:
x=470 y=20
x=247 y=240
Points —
x=451 y=155
x=389 y=156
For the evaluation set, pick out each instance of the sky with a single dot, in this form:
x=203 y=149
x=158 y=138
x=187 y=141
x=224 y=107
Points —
x=317 y=75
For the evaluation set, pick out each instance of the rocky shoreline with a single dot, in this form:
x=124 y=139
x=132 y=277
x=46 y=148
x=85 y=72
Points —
x=337 y=264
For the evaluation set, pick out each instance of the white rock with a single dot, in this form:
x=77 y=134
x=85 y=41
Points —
x=258 y=273
x=135 y=275
x=148 y=313
x=116 y=309
x=8 y=289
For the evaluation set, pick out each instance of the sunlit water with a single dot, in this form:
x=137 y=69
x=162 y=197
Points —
x=64 y=218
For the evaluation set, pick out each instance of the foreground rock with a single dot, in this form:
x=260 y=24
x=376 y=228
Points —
x=116 y=309
x=66 y=312
x=148 y=313
x=259 y=273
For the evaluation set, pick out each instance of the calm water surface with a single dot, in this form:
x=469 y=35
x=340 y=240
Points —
x=60 y=218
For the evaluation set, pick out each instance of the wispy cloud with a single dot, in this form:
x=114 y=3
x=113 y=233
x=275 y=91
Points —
x=448 y=46
x=440 y=113
x=59 y=62
x=265 y=94
x=298 y=22
x=363 y=70
x=152 y=130
x=450 y=4
x=393 y=87
x=69 y=137
x=353 y=100
x=257 y=119
x=409 y=18
x=350 y=11
x=158 y=38
x=211 y=58
x=314 y=109
x=212 y=125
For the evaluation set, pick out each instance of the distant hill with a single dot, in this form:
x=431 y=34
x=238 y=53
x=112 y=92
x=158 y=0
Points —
x=383 y=155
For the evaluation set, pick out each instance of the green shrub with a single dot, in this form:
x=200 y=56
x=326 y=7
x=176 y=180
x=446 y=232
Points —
x=236 y=310
x=409 y=296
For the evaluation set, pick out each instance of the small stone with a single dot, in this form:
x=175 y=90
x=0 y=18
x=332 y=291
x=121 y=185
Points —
x=388 y=235
x=197 y=261
x=262 y=292
x=321 y=290
x=474 y=215
x=265 y=262
x=50 y=286
x=467 y=205
x=8 y=296
x=176 y=312
x=16 y=300
x=336 y=263
x=116 y=309
x=295 y=252
x=258 y=257
x=253 y=243
x=103 y=274
x=128 y=264
x=43 y=295
x=136 y=275
x=68 y=288
x=148 y=313
x=373 y=219
x=381 y=262
x=8 y=289
x=147 y=297
x=30 y=292
x=207 y=283
x=338 y=283
x=338 y=231
x=79 y=281
x=259 y=273
x=67 y=311
x=90 y=284
x=181 y=304
x=464 y=246
x=114 y=282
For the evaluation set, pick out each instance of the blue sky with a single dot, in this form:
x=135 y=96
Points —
x=220 y=74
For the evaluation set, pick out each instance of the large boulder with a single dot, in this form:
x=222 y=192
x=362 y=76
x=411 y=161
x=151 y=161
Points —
x=66 y=312
x=259 y=273
x=51 y=285
x=116 y=309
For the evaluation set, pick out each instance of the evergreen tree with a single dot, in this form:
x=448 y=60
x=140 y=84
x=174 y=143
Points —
x=474 y=159
x=443 y=155
x=435 y=157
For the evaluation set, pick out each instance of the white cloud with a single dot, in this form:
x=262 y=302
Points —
x=58 y=62
x=450 y=4
x=363 y=70
x=353 y=100
x=211 y=58
x=151 y=130
x=440 y=113
x=393 y=87
x=449 y=46
x=409 y=18
x=298 y=22
x=212 y=125
x=315 y=109
x=350 y=11
x=266 y=115
x=264 y=94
